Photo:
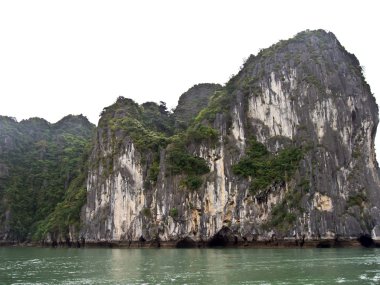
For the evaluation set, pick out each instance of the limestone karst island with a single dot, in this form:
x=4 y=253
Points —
x=281 y=155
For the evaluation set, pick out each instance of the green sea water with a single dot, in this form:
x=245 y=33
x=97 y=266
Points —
x=189 y=266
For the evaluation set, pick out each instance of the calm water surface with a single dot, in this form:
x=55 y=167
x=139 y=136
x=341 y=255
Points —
x=189 y=266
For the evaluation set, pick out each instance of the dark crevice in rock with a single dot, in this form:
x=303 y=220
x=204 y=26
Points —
x=366 y=241
x=186 y=243
x=224 y=237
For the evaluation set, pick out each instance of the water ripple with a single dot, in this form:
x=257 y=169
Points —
x=194 y=266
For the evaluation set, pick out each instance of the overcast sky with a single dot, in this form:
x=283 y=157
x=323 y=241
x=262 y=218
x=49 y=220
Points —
x=73 y=57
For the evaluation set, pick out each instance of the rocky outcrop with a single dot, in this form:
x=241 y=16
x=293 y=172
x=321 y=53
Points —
x=288 y=145
x=192 y=102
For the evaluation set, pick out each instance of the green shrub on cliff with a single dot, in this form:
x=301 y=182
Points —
x=219 y=103
x=179 y=161
x=264 y=168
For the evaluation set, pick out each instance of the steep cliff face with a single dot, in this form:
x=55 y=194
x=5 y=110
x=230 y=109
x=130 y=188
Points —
x=285 y=149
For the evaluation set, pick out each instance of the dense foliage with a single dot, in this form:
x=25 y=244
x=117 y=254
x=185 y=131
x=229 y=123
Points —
x=43 y=162
x=66 y=213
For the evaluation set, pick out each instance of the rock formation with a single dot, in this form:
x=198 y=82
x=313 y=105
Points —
x=284 y=150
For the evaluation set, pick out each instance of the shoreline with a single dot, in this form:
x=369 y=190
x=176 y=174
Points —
x=283 y=243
